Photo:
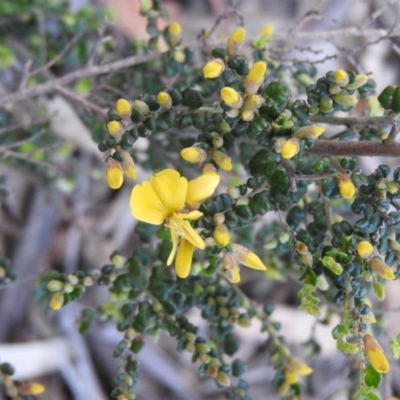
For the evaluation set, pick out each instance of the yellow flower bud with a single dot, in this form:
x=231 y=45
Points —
x=253 y=102
x=346 y=186
x=55 y=285
x=114 y=174
x=221 y=235
x=223 y=379
x=267 y=29
x=381 y=268
x=375 y=354
x=341 y=77
x=235 y=40
x=31 y=388
x=255 y=77
x=222 y=160
x=115 y=129
x=360 y=80
x=231 y=97
x=364 y=249
x=301 y=248
x=214 y=68
x=141 y=106
x=247 y=115
x=175 y=33
x=179 y=56
x=290 y=148
x=194 y=154
x=164 y=100
x=124 y=108
x=128 y=166
x=56 y=301
x=313 y=131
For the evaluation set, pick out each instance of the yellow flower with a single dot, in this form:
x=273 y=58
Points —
x=267 y=29
x=175 y=33
x=163 y=198
x=255 y=77
x=193 y=154
x=124 y=108
x=375 y=354
x=231 y=97
x=247 y=115
x=164 y=100
x=346 y=186
x=31 y=388
x=293 y=368
x=214 y=68
x=56 y=301
x=364 y=249
x=223 y=161
x=115 y=129
x=341 y=77
x=114 y=174
x=313 y=131
x=221 y=235
x=128 y=166
x=235 y=40
x=253 y=102
x=241 y=255
x=381 y=268
x=290 y=148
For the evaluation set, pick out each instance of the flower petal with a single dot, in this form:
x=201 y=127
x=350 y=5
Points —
x=146 y=206
x=191 y=216
x=247 y=258
x=191 y=235
x=170 y=188
x=174 y=238
x=201 y=188
x=183 y=260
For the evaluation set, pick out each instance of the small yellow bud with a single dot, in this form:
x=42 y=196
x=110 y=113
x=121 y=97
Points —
x=31 y=388
x=219 y=218
x=194 y=154
x=346 y=186
x=381 y=268
x=124 y=108
x=341 y=77
x=164 y=100
x=255 y=77
x=128 y=166
x=301 y=248
x=364 y=249
x=221 y=235
x=267 y=29
x=179 y=56
x=114 y=174
x=213 y=69
x=253 y=102
x=247 y=115
x=56 y=301
x=235 y=40
x=175 y=33
x=115 y=129
x=360 y=80
x=222 y=160
x=375 y=354
x=54 y=285
x=223 y=379
x=141 y=106
x=374 y=108
x=312 y=131
x=290 y=148
x=231 y=97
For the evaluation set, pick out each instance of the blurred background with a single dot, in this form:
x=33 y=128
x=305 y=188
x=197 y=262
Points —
x=77 y=222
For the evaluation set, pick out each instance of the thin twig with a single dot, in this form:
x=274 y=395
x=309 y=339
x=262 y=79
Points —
x=23 y=141
x=355 y=121
x=79 y=99
x=92 y=70
x=392 y=134
x=59 y=56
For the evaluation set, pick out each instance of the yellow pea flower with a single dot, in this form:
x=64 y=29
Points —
x=293 y=368
x=364 y=249
x=346 y=186
x=290 y=148
x=231 y=97
x=235 y=40
x=213 y=69
x=255 y=77
x=163 y=198
x=194 y=154
x=375 y=354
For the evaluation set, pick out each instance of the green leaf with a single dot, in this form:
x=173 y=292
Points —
x=372 y=396
x=83 y=86
x=7 y=57
x=372 y=377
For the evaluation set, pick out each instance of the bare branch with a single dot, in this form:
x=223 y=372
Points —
x=89 y=71
x=351 y=149
x=354 y=121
